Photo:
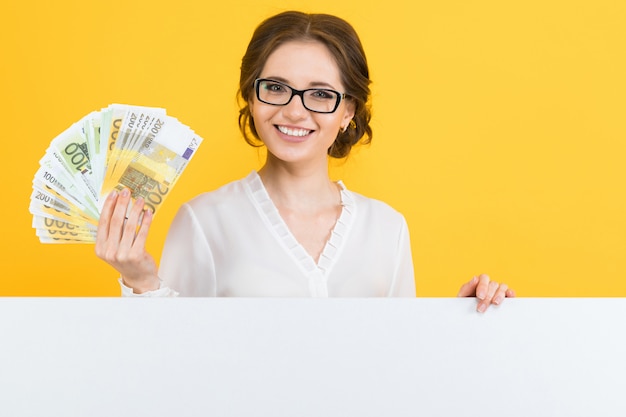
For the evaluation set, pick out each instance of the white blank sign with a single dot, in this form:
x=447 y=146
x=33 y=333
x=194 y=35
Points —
x=311 y=357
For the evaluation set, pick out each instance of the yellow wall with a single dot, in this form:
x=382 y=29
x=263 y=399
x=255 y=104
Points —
x=499 y=127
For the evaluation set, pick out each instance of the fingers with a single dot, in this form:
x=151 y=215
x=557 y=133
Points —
x=119 y=216
x=135 y=220
x=144 y=228
x=105 y=218
x=469 y=288
x=104 y=225
x=482 y=288
x=500 y=294
x=486 y=291
x=117 y=232
x=477 y=287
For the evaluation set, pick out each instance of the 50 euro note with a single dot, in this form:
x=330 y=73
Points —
x=156 y=165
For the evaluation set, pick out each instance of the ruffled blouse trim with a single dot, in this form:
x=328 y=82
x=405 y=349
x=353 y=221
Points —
x=334 y=244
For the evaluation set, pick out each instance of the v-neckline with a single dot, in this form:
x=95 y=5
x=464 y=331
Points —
x=281 y=231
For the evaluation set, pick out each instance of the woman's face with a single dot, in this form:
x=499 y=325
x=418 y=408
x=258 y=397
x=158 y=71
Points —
x=292 y=133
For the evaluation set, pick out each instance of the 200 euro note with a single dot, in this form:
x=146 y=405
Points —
x=155 y=166
x=46 y=197
x=45 y=204
x=127 y=126
x=41 y=222
x=62 y=231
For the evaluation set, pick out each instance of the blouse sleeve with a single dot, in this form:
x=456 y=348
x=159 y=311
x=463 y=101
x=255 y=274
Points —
x=187 y=267
x=187 y=264
x=403 y=284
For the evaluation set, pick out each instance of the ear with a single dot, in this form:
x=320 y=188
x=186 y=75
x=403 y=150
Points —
x=348 y=112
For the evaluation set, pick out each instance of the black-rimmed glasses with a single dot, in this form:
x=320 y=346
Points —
x=318 y=100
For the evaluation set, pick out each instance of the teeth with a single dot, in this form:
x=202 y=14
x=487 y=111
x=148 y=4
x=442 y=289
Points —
x=294 y=132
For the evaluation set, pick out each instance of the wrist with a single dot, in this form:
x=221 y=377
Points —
x=143 y=286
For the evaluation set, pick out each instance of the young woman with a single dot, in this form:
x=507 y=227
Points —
x=286 y=230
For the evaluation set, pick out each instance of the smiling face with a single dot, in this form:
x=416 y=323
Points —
x=292 y=133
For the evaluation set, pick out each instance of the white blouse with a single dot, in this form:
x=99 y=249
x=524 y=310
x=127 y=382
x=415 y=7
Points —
x=232 y=242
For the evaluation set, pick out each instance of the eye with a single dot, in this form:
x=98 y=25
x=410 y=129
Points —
x=274 y=87
x=323 y=95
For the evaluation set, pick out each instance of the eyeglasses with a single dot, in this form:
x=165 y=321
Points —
x=318 y=100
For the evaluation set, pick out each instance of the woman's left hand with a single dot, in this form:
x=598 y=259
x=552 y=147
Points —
x=486 y=291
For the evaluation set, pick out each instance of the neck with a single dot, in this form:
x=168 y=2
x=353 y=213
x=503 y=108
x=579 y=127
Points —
x=298 y=187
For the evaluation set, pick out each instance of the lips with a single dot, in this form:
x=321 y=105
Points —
x=295 y=132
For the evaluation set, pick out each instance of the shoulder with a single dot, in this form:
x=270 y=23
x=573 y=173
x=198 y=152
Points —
x=228 y=195
x=372 y=210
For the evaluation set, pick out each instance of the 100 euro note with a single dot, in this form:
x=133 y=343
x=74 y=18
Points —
x=88 y=160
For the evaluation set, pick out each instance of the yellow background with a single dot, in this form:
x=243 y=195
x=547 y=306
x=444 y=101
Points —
x=499 y=127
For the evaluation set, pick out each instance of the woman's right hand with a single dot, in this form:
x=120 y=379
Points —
x=121 y=241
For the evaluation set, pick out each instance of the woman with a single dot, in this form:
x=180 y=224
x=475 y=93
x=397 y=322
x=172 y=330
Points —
x=287 y=230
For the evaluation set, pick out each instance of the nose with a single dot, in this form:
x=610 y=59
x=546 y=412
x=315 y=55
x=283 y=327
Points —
x=295 y=108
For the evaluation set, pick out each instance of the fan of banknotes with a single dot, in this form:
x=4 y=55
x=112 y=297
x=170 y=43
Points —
x=140 y=148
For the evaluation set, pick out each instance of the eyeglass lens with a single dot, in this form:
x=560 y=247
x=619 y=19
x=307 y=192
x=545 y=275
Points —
x=314 y=99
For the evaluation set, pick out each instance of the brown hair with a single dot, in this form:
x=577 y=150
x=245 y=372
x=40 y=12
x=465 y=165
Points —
x=344 y=45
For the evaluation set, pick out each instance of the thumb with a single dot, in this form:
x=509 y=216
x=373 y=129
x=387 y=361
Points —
x=469 y=288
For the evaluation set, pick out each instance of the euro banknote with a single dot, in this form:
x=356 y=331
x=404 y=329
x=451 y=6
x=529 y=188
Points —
x=121 y=146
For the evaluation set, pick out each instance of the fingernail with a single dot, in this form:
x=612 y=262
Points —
x=497 y=300
x=481 y=308
x=125 y=192
x=480 y=295
x=112 y=195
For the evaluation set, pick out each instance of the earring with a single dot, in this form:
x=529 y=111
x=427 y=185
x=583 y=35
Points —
x=351 y=125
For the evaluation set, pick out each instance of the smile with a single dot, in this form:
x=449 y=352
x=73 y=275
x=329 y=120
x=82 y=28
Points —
x=293 y=132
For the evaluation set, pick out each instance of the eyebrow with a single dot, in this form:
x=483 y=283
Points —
x=314 y=84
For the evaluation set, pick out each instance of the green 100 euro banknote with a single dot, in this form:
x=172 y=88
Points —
x=121 y=146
